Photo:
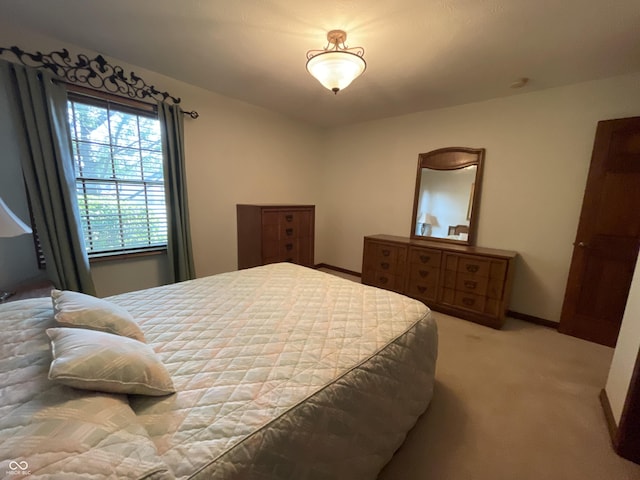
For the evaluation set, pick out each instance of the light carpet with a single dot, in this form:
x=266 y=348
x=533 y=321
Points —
x=519 y=403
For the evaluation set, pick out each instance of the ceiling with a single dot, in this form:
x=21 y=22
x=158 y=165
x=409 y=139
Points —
x=420 y=54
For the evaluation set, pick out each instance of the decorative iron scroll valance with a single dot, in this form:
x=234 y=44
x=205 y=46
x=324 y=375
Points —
x=95 y=72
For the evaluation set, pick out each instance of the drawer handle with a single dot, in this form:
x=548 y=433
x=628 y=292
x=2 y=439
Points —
x=289 y=218
x=384 y=280
x=470 y=284
x=384 y=265
x=422 y=289
x=424 y=273
x=468 y=301
x=289 y=231
x=425 y=258
x=386 y=252
x=289 y=246
x=472 y=268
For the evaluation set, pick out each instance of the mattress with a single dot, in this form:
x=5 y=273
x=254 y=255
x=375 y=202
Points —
x=281 y=372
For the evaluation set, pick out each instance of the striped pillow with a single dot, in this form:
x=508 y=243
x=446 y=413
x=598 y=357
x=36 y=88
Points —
x=73 y=309
x=103 y=362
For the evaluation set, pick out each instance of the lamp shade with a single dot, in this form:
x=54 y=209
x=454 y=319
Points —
x=336 y=69
x=10 y=225
x=432 y=220
x=428 y=218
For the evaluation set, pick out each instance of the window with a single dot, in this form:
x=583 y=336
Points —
x=117 y=152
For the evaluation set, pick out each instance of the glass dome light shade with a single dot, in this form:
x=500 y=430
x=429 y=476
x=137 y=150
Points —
x=336 y=69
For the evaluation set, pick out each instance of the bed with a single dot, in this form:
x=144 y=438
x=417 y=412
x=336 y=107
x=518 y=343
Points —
x=280 y=372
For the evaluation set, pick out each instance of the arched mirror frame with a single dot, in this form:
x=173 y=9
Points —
x=451 y=158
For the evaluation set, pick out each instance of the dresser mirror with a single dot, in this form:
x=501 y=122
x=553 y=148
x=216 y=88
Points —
x=447 y=195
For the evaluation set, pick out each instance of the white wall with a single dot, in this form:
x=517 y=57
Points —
x=117 y=276
x=627 y=348
x=242 y=154
x=235 y=153
x=538 y=150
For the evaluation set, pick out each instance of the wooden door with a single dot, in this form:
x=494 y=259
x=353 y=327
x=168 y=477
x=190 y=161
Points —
x=608 y=237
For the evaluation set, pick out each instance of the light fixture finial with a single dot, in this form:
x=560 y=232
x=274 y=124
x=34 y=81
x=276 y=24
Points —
x=337 y=65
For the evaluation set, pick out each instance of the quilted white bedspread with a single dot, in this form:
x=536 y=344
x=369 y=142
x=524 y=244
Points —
x=282 y=372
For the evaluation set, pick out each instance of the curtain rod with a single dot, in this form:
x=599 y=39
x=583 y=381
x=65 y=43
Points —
x=95 y=72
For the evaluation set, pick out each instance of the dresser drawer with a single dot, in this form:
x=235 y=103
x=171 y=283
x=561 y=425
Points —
x=286 y=217
x=384 y=257
x=470 y=283
x=474 y=266
x=424 y=256
x=300 y=218
x=285 y=225
x=281 y=251
x=386 y=253
x=464 y=300
x=289 y=249
x=469 y=301
x=289 y=218
x=424 y=274
x=382 y=265
x=293 y=231
x=423 y=291
x=386 y=280
x=298 y=252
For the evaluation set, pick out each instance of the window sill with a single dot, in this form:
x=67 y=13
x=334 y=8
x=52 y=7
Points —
x=116 y=256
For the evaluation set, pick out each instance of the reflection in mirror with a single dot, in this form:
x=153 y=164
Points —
x=447 y=194
x=445 y=202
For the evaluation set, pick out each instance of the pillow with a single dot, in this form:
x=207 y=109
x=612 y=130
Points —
x=104 y=362
x=73 y=309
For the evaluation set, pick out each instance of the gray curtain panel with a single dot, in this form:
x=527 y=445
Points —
x=40 y=111
x=175 y=186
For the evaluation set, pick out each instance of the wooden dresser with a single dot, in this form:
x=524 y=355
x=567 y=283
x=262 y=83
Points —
x=473 y=283
x=275 y=233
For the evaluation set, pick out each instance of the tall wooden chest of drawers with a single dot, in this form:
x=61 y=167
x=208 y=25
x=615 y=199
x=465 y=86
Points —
x=275 y=233
x=469 y=282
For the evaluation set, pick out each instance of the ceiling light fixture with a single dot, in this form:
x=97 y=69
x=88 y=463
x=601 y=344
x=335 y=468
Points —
x=336 y=66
